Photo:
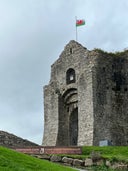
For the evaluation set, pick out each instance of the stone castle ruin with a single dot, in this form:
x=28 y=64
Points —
x=12 y=141
x=86 y=100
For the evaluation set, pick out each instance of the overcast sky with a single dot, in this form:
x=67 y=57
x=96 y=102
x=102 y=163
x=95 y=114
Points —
x=33 y=33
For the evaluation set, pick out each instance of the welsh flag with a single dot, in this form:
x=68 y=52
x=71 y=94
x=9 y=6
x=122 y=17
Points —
x=80 y=22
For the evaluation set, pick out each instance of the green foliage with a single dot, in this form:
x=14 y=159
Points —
x=13 y=161
x=100 y=51
x=101 y=168
x=104 y=168
x=114 y=54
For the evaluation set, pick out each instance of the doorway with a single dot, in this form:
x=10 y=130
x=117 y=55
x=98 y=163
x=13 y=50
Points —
x=73 y=127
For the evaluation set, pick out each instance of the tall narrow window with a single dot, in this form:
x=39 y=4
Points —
x=70 y=76
x=70 y=50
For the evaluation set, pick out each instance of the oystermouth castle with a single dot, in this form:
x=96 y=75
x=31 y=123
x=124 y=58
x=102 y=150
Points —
x=86 y=100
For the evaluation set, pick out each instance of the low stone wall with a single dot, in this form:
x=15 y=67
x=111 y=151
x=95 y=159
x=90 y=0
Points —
x=62 y=150
x=88 y=162
x=50 y=150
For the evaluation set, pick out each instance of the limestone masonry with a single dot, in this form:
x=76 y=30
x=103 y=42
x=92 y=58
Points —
x=86 y=100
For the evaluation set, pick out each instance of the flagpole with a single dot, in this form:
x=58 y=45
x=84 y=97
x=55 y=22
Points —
x=76 y=30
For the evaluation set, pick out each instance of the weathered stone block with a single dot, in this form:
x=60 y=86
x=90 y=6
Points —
x=108 y=163
x=119 y=166
x=100 y=162
x=77 y=162
x=67 y=160
x=55 y=158
x=88 y=162
x=44 y=156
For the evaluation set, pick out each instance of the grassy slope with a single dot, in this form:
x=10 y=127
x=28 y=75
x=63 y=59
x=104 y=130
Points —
x=14 y=161
x=112 y=153
x=119 y=153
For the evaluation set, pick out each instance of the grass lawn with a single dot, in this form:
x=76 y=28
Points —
x=13 y=161
x=117 y=153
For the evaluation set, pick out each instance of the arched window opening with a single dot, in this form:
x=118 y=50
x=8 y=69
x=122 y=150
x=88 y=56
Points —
x=70 y=76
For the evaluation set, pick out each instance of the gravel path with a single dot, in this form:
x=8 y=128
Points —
x=79 y=169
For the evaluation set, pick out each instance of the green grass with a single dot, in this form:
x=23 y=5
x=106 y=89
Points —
x=13 y=161
x=112 y=153
x=117 y=153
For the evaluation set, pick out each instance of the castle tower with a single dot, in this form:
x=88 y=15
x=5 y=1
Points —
x=86 y=99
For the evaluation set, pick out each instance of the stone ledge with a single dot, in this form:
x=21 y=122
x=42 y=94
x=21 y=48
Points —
x=50 y=150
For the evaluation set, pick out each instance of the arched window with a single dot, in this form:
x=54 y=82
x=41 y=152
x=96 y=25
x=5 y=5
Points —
x=70 y=76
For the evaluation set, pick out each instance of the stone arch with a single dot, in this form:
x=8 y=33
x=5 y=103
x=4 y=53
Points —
x=68 y=95
x=68 y=118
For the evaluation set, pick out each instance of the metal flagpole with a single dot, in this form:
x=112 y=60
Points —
x=76 y=29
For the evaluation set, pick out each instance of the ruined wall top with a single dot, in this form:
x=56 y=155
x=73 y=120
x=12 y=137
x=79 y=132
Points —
x=78 y=57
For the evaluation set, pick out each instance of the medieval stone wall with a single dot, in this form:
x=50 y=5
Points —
x=110 y=87
x=59 y=97
x=51 y=115
x=12 y=141
x=86 y=99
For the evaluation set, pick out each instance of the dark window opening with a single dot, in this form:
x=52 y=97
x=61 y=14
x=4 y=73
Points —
x=125 y=89
x=70 y=76
x=71 y=51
